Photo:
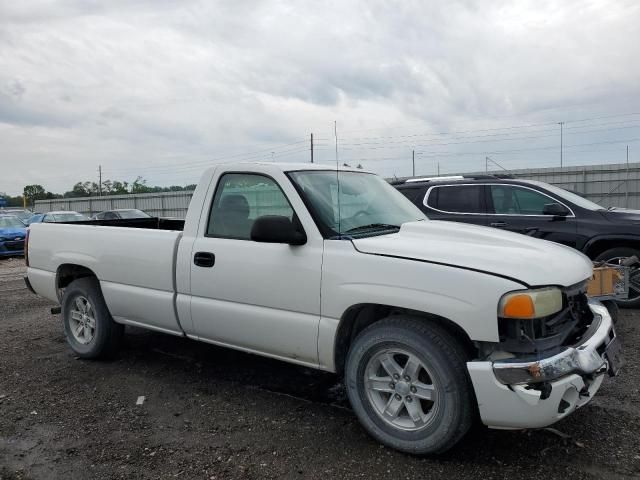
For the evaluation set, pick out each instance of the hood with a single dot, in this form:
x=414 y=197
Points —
x=13 y=232
x=622 y=215
x=528 y=260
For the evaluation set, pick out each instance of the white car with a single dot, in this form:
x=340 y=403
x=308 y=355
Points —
x=430 y=323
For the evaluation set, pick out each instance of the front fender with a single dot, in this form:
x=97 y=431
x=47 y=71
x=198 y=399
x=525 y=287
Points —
x=467 y=298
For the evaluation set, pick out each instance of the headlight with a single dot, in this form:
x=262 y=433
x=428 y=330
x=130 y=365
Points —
x=527 y=304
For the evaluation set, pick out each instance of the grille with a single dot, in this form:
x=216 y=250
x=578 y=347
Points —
x=14 y=245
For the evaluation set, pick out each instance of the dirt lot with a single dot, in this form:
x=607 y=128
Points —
x=214 y=413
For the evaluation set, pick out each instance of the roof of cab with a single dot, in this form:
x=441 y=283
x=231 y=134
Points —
x=293 y=167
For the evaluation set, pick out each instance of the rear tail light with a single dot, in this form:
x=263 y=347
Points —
x=26 y=247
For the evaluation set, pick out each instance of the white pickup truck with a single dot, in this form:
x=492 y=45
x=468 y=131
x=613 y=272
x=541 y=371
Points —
x=431 y=323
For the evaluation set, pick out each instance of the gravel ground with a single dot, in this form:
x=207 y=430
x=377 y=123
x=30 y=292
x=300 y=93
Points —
x=212 y=413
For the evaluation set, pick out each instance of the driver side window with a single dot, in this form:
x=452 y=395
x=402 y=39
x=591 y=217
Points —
x=240 y=198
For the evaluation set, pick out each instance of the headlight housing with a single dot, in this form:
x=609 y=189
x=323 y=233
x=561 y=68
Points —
x=530 y=304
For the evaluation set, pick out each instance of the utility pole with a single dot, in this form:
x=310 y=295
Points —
x=312 y=148
x=626 y=193
x=413 y=162
x=486 y=165
x=561 y=125
x=99 y=180
x=438 y=168
x=335 y=132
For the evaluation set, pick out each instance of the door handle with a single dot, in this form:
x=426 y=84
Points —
x=204 y=259
x=498 y=224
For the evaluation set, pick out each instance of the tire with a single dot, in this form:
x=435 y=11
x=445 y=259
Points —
x=441 y=422
x=614 y=310
x=623 y=252
x=90 y=332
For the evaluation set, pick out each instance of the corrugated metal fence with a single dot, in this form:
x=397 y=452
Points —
x=262 y=201
x=610 y=185
x=164 y=204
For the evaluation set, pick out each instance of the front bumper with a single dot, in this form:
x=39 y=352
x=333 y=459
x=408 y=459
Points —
x=11 y=248
x=504 y=390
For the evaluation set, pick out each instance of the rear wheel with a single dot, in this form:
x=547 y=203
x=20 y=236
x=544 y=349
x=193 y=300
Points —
x=408 y=384
x=88 y=326
x=615 y=255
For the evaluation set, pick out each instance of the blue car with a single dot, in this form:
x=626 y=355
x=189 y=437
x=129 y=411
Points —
x=12 y=233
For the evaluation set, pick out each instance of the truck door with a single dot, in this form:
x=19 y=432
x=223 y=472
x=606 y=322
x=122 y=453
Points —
x=262 y=297
x=521 y=209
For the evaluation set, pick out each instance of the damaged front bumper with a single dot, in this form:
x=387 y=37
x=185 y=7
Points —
x=534 y=393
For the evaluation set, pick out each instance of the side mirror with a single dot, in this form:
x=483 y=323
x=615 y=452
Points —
x=276 y=229
x=555 y=209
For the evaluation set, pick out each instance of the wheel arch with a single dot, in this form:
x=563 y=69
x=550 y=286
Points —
x=359 y=316
x=67 y=273
x=600 y=244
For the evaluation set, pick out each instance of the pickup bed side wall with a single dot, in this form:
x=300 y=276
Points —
x=467 y=298
x=135 y=268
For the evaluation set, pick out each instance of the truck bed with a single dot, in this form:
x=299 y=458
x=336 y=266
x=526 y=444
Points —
x=134 y=260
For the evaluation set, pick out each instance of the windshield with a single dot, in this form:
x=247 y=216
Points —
x=21 y=214
x=132 y=214
x=10 y=222
x=570 y=197
x=366 y=204
x=69 y=217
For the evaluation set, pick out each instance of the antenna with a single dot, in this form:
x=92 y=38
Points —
x=489 y=159
x=335 y=132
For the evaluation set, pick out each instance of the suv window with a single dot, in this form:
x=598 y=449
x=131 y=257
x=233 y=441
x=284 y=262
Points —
x=457 y=198
x=514 y=200
x=241 y=198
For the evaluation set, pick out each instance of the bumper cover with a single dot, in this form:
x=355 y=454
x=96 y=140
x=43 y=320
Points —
x=11 y=248
x=583 y=359
x=506 y=399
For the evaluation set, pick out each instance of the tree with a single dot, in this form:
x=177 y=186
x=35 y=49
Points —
x=107 y=187
x=119 y=188
x=80 y=189
x=34 y=192
x=140 y=186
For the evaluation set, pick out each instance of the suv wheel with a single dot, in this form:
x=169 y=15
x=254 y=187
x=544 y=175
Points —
x=614 y=255
x=408 y=384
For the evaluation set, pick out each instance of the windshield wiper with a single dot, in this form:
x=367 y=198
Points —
x=371 y=226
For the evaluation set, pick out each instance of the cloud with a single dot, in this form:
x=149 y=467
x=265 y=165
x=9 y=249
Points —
x=161 y=88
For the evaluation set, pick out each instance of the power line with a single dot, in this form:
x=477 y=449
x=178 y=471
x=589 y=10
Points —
x=406 y=142
x=497 y=152
x=379 y=146
x=512 y=127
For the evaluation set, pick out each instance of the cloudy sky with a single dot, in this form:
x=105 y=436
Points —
x=163 y=88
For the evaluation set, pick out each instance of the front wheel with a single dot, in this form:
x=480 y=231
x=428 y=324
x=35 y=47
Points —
x=615 y=255
x=408 y=384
